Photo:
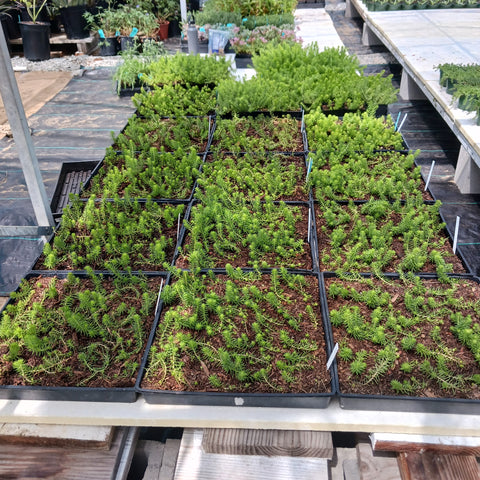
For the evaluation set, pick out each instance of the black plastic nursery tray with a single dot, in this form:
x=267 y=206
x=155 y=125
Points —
x=73 y=175
x=400 y=403
x=234 y=398
x=76 y=393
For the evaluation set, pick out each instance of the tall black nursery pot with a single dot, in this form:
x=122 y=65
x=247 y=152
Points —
x=36 y=40
x=74 y=23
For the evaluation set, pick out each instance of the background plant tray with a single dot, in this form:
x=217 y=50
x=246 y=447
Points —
x=190 y=397
x=357 y=401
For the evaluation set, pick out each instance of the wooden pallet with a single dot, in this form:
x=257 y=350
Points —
x=84 y=45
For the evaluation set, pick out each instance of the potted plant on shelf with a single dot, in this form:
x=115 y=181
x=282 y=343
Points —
x=165 y=10
x=71 y=14
x=105 y=23
x=35 y=33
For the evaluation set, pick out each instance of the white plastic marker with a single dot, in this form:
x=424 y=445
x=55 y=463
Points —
x=429 y=175
x=455 y=235
x=309 y=224
x=403 y=121
x=158 y=299
x=178 y=228
x=332 y=356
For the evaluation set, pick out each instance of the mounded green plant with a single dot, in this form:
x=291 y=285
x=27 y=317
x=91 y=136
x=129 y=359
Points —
x=410 y=337
x=188 y=69
x=176 y=100
x=239 y=332
x=70 y=331
x=115 y=235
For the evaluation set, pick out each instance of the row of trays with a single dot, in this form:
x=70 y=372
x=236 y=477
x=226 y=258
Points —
x=268 y=336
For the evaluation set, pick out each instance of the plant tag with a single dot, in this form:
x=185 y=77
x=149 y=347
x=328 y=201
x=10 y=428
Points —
x=134 y=31
x=455 y=235
x=101 y=34
x=117 y=33
x=158 y=299
x=429 y=175
x=309 y=223
x=332 y=356
x=178 y=228
x=403 y=121
x=309 y=168
x=396 y=121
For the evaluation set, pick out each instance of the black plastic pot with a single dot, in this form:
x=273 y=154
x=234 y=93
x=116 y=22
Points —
x=127 y=43
x=174 y=29
x=243 y=61
x=11 y=23
x=74 y=23
x=36 y=40
x=109 y=46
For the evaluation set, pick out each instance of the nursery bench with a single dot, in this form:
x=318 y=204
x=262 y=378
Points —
x=419 y=56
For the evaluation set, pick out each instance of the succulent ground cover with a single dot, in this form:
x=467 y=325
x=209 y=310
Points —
x=72 y=331
x=164 y=134
x=240 y=332
x=176 y=100
x=150 y=174
x=249 y=176
x=114 y=235
x=379 y=236
x=258 y=134
x=411 y=336
x=246 y=234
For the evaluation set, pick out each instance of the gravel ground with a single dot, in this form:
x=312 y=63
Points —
x=77 y=63
x=68 y=63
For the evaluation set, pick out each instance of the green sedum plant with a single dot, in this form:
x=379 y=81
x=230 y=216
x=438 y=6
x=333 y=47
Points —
x=239 y=332
x=68 y=331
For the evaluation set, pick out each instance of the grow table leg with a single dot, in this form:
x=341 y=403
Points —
x=409 y=90
x=467 y=173
x=369 y=38
x=350 y=10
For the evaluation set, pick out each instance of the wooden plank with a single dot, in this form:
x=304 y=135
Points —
x=169 y=462
x=453 y=445
x=194 y=464
x=378 y=465
x=20 y=462
x=427 y=465
x=82 y=436
x=289 y=443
